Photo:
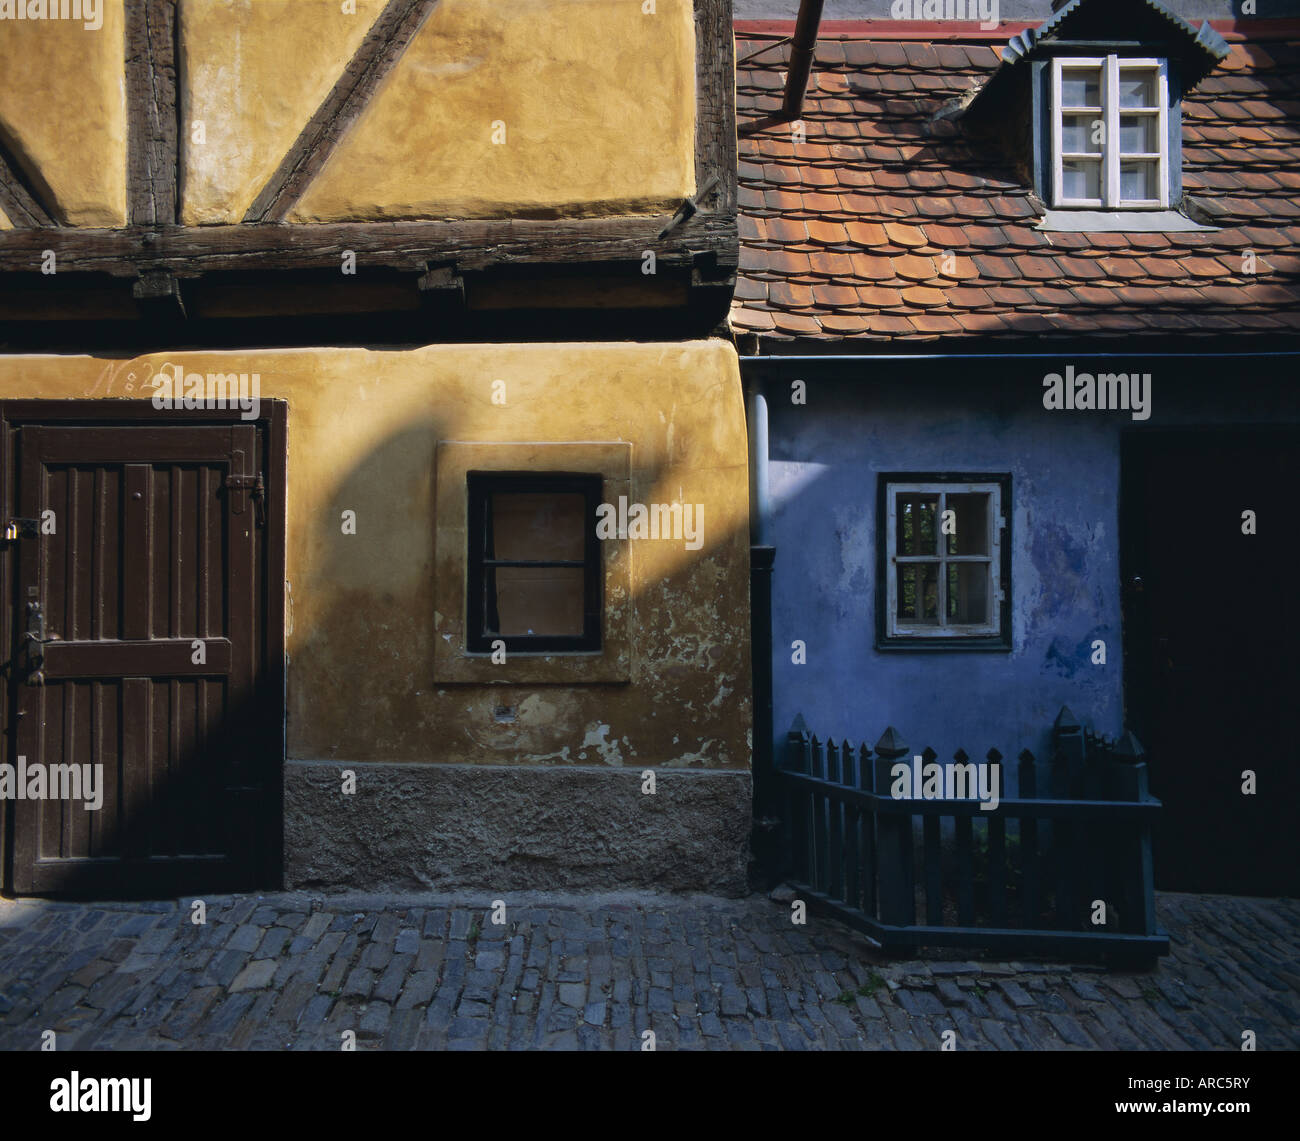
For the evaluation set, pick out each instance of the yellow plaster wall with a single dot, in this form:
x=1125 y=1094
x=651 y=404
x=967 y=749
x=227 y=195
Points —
x=5 y=224
x=63 y=113
x=252 y=73
x=595 y=97
x=363 y=430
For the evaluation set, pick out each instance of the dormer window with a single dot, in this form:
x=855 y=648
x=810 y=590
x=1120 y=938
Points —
x=1110 y=136
x=1087 y=107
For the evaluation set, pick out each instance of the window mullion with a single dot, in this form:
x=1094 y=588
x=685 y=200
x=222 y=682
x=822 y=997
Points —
x=1162 y=138
x=940 y=538
x=1110 y=116
x=1058 y=169
x=891 y=547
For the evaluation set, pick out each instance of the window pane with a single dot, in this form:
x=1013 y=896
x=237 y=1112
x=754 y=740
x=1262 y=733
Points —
x=1080 y=87
x=1081 y=178
x=1080 y=134
x=971 y=521
x=1137 y=88
x=1137 y=181
x=1137 y=134
x=968 y=594
x=917 y=514
x=918 y=592
x=539 y=526
x=536 y=600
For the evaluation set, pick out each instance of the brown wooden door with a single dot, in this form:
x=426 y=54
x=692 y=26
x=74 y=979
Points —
x=1212 y=624
x=151 y=580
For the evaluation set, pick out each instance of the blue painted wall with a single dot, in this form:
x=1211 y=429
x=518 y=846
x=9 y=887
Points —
x=1065 y=574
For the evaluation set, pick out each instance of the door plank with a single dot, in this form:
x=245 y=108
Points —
x=150 y=658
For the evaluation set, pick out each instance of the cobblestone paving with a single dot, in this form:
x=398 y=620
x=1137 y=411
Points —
x=289 y=972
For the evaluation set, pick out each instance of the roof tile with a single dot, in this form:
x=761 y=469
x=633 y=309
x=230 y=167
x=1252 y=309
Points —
x=903 y=235
x=788 y=295
x=872 y=267
x=799 y=323
x=924 y=296
x=913 y=268
x=787 y=230
x=867 y=234
x=828 y=233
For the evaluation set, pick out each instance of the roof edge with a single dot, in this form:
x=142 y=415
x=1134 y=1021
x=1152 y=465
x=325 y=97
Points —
x=1232 y=30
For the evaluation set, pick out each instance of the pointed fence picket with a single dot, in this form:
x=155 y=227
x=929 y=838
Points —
x=1063 y=867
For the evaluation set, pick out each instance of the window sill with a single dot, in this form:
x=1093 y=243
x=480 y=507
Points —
x=1075 y=221
x=993 y=644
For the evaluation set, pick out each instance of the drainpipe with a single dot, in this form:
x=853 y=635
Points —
x=802 y=47
x=801 y=57
x=766 y=836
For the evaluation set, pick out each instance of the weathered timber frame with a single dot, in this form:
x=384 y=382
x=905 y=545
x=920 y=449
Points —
x=156 y=254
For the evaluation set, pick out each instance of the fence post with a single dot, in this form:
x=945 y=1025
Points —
x=867 y=832
x=897 y=889
x=1070 y=858
x=1131 y=781
x=997 y=867
x=1029 y=869
x=1067 y=735
x=797 y=747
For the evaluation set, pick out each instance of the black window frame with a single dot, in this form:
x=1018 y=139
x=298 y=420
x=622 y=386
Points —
x=479 y=487
x=885 y=641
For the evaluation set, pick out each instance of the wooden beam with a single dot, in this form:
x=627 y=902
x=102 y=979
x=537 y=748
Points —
x=191 y=251
x=442 y=287
x=384 y=44
x=18 y=198
x=715 y=104
x=158 y=295
x=151 y=120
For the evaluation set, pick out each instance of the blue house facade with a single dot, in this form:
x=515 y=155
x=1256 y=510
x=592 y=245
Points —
x=1023 y=401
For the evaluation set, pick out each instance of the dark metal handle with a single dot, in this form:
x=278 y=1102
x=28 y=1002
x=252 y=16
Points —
x=34 y=642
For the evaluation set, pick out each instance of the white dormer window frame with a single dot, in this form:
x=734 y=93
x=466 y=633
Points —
x=1103 y=141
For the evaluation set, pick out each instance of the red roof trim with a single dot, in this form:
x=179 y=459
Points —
x=1236 y=31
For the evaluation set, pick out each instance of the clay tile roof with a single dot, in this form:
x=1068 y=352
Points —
x=881 y=225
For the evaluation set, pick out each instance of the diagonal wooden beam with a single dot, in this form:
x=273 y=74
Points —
x=152 y=123
x=18 y=197
x=379 y=51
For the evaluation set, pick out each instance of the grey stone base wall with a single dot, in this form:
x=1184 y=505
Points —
x=410 y=827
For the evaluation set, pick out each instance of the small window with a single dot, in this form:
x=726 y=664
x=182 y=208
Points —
x=534 y=567
x=1110 y=146
x=945 y=566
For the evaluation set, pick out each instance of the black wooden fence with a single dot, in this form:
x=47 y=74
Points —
x=1063 y=868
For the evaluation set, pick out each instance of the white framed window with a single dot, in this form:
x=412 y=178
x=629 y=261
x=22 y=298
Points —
x=1110 y=134
x=945 y=561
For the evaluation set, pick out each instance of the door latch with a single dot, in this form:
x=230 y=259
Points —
x=256 y=489
x=34 y=644
x=17 y=529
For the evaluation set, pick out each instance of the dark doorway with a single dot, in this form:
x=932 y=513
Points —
x=144 y=576
x=1211 y=644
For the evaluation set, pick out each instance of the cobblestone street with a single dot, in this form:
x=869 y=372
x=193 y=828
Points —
x=286 y=971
